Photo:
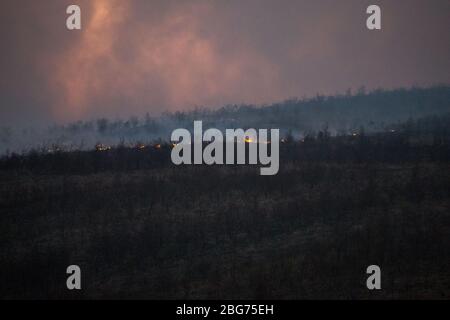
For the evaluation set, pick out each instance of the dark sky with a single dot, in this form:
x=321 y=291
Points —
x=138 y=56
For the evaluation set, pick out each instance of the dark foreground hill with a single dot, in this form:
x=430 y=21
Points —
x=140 y=227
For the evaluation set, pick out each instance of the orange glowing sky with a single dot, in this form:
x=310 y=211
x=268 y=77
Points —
x=168 y=62
x=138 y=56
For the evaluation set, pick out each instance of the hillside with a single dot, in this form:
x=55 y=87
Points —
x=140 y=227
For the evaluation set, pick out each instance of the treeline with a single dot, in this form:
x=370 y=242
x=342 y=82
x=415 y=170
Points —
x=341 y=114
x=427 y=138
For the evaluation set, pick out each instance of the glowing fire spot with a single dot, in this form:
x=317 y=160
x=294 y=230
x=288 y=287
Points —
x=101 y=147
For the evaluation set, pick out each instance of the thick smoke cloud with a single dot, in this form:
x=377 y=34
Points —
x=139 y=56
